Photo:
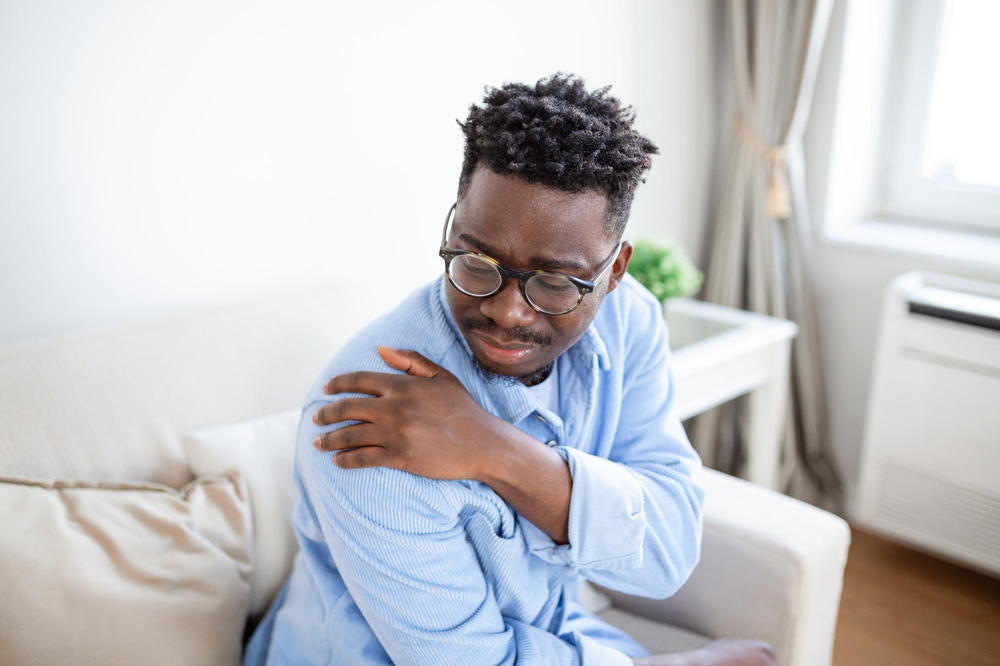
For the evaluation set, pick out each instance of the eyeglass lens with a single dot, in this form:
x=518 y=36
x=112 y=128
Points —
x=551 y=293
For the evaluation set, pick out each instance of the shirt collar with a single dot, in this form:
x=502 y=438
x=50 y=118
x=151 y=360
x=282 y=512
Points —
x=514 y=401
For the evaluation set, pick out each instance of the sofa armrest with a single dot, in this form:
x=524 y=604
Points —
x=771 y=568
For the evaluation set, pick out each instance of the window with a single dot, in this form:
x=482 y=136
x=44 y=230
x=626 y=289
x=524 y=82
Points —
x=944 y=122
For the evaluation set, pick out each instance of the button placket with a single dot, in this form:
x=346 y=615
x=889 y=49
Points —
x=551 y=429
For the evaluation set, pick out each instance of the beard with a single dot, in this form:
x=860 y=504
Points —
x=524 y=335
x=492 y=377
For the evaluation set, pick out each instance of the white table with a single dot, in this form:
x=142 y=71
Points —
x=720 y=353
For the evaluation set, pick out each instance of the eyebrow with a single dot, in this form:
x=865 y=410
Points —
x=542 y=262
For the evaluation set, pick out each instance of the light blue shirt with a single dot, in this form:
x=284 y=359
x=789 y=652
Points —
x=398 y=568
x=546 y=392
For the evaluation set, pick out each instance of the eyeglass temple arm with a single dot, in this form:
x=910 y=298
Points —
x=447 y=221
x=611 y=262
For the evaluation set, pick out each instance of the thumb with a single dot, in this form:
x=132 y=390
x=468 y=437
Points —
x=411 y=362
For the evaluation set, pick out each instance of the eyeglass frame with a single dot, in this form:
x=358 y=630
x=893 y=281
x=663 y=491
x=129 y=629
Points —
x=584 y=287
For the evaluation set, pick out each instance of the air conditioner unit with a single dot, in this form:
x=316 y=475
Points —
x=930 y=469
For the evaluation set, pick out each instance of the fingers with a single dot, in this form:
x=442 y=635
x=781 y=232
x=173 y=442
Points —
x=372 y=383
x=368 y=456
x=348 y=409
x=411 y=362
x=378 y=383
x=348 y=437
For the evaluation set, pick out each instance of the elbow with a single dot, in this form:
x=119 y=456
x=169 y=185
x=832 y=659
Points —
x=673 y=582
x=687 y=566
x=678 y=554
x=687 y=548
x=688 y=551
x=673 y=575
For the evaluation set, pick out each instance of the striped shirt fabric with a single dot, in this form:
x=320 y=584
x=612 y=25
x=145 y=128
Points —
x=395 y=568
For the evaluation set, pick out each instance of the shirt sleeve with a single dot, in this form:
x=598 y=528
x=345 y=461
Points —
x=635 y=518
x=402 y=551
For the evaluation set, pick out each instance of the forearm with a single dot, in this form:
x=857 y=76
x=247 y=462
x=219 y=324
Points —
x=532 y=478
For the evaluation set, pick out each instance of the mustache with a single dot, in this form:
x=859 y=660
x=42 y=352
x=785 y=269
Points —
x=506 y=335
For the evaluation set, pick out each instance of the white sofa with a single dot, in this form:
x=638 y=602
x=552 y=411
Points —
x=111 y=403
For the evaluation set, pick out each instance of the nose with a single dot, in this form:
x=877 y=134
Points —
x=507 y=308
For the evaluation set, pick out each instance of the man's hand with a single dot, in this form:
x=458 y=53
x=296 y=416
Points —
x=424 y=422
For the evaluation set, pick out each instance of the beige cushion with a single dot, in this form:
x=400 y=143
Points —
x=261 y=451
x=111 y=403
x=657 y=637
x=593 y=600
x=123 y=573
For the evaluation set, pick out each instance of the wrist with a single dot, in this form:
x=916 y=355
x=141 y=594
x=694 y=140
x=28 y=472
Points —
x=503 y=448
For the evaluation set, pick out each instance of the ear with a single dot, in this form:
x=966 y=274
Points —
x=620 y=266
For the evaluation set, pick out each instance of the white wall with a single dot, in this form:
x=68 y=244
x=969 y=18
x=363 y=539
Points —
x=850 y=282
x=155 y=155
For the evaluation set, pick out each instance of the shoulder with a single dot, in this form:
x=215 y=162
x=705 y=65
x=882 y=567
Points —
x=637 y=301
x=631 y=318
x=377 y=498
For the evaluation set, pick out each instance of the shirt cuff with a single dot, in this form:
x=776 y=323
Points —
x=606 y=518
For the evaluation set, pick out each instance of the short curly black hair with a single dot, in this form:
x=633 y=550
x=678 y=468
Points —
x=557 y=134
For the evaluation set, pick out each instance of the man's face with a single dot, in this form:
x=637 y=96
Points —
x=529 y=227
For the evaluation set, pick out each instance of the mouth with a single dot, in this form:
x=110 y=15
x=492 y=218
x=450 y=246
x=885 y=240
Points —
x=505 y=354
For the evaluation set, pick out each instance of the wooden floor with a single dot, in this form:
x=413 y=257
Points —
x=907 y=608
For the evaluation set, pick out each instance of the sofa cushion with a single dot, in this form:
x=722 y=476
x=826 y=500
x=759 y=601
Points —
x=123 y=573
x=260 y=451
x=110 y=403
x=657 y=637
x=592 y=599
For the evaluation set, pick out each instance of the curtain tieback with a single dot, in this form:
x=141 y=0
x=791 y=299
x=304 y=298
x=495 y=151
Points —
x=779 y=200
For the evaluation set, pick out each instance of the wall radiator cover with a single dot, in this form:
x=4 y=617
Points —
x=930 y=470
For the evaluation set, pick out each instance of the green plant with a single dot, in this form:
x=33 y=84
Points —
x=664 y=269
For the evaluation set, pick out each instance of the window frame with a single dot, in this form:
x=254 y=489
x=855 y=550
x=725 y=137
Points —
x=903 y=192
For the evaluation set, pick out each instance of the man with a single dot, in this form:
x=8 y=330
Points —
x=507 y=430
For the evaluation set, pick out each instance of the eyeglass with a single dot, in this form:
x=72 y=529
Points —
x=478 y=275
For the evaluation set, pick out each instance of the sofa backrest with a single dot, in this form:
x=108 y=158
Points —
x=110 y=403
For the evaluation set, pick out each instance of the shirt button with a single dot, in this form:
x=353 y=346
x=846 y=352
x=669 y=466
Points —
x=551 y=442
x=540 y=418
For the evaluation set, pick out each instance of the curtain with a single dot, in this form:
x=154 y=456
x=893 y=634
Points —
x=761 y=236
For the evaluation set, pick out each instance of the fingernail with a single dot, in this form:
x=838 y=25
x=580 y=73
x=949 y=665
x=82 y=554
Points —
x=316 y=442
x=316 y=418
x=326 y=387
